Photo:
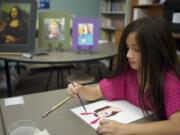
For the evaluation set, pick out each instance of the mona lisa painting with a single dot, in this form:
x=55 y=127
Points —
x=17 y=27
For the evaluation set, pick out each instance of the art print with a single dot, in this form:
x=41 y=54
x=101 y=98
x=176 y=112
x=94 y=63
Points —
x=17 y=25
x=54 y=30
x=85 y=34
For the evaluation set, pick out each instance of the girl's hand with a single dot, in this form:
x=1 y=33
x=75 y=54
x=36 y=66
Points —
x=110 y=127
x=73 y=89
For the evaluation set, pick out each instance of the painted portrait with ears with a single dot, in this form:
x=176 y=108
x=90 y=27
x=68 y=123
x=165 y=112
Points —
x=103 y=112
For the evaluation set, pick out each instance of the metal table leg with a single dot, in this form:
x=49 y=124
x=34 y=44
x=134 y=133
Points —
x=8 y=78
x=18 y=67
x=110 y=64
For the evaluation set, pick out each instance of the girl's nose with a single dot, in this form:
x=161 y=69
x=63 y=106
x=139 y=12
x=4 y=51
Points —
x=129 y=54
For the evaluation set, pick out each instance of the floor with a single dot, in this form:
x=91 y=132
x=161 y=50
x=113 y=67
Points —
x=35 y=82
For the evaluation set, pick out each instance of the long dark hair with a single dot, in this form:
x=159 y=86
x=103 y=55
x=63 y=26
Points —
x=158 y=55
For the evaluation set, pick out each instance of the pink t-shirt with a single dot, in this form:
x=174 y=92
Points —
x=126 y=87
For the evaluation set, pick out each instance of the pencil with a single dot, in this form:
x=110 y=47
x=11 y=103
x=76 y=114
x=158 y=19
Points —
x=56 y=106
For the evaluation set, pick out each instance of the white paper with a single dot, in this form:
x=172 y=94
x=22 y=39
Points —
x=128 y=113
x=102 y=41
x=162 y=1
x=178 y=52
x=138 y=13
x=39 y=132
x=144 y=2
x=176 y=17
x=14 y=101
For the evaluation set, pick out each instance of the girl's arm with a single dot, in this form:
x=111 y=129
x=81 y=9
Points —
x=89 y=93
x=167 y=127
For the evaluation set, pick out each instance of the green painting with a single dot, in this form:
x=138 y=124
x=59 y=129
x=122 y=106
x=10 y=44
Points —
x=54 y=30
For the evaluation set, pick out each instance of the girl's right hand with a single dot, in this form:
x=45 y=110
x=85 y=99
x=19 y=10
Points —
x=73 y=89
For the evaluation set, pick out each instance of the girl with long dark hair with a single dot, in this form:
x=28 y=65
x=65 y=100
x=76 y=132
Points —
x=147 y=75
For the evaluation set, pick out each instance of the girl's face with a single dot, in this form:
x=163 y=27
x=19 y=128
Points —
x=14 y=12
x=133 y=53
x=107 y=112
x=54 y=27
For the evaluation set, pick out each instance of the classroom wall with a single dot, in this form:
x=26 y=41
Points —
x=81 y=8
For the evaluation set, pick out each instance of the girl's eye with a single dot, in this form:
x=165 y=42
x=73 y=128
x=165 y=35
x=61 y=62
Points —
x=106 y=114
x=137 y=49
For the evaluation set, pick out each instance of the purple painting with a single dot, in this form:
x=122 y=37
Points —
x=85 y=34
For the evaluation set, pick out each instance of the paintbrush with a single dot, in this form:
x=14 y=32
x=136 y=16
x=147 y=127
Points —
x=81 y=102
x=56 y=106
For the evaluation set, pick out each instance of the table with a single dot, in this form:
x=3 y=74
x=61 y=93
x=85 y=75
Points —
x=61 y=121
x=1 y=125
x=105 y=51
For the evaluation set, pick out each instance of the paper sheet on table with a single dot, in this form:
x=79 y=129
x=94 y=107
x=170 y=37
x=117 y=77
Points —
x=14 y=101
x=176 y=17
x=102 y=41
x=128 y=113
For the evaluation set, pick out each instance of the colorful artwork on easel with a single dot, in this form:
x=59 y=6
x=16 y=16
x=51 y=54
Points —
x=85 y=34
x=54 y=30
x=120 y=111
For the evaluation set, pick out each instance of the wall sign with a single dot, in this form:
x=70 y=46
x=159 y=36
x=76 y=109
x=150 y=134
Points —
x=43 y=4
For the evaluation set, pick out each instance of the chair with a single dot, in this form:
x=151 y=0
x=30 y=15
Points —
x=59 y=68
x=83 y=73
x=80 y=78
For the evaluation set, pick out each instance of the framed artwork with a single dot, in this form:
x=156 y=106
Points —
x=54 y=30
x=17 y=25
x=85 y=34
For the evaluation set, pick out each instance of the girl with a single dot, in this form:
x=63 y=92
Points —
x=147 y=75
